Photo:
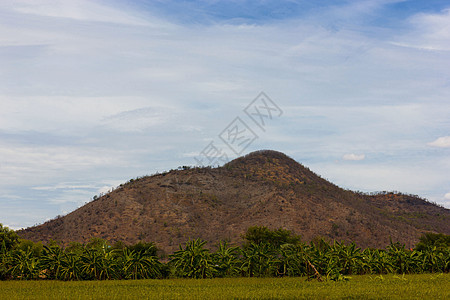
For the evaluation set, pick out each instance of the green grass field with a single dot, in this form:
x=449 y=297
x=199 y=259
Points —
x=425 y=286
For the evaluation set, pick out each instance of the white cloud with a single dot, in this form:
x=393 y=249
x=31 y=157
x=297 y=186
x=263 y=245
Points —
x=141 y=119
x=62 y=114
x=81 y=10
x=352 y=156
x=39 y=165
x=64 y=186
x=432 y=32
x=447 y=196
x=442 y=142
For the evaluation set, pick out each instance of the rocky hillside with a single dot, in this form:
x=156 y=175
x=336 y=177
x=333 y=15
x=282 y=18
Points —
x=262 y=188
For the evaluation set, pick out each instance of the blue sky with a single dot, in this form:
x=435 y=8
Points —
x=93 y=93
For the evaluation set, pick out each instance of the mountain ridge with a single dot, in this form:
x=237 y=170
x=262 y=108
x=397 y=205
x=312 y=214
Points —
x=265 y=188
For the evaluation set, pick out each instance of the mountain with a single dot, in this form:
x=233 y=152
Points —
x=265 y=188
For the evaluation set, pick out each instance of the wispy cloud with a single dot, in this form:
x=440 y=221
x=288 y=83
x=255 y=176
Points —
x=80 y=10
x=432 y=31
x=442 y=142
x=63 y=186
x=142 y=119
x=352 y=156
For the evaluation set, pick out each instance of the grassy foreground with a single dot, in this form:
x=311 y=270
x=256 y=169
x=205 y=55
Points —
x=424 y=286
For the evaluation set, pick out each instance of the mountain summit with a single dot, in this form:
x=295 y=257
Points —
x=265 y=188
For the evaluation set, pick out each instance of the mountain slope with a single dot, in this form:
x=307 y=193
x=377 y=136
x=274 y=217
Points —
x=262 y=188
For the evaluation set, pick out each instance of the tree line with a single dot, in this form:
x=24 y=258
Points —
x=264 y=253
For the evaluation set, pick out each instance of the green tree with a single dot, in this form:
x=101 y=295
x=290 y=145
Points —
x=51 y=261
x=98 y=264
x=27 y=245
x=430 y=240
x=24 y=265
x=263 y=235
x=348 y=257
x=149 y=248
x=292 y=260
x=258 y=260
x=98 y=244
x=225 y=260
x=193 y=261
x=139 y=265
x=8 y=239
x=70 y=267
x=376 y=261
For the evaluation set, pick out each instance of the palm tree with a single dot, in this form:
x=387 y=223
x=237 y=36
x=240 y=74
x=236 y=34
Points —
x=225 y=260
x=258 y=260
x=376 y=261
x=51 y=260
x=70 y=267
x=139 y=265
x=98 y=264
x=349 y=258
x=23 y=265
x=291 y=260
x=193 y=261
x=399 y=256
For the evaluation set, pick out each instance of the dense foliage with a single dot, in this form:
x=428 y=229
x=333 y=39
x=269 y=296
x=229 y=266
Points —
x=265 y=253
x=8 y=238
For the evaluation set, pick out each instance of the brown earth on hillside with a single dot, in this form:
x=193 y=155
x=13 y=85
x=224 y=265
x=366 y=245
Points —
x=265 y=188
